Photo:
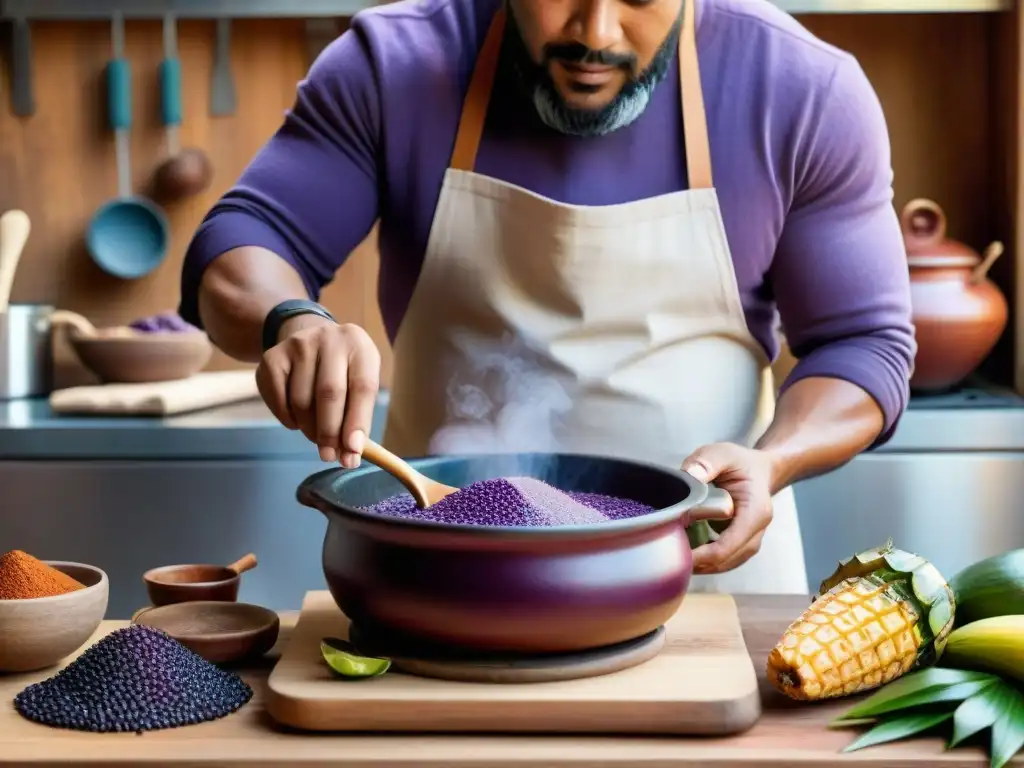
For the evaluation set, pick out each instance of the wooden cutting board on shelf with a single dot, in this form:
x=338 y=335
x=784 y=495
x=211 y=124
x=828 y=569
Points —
x=162 y=398
x=702 y=682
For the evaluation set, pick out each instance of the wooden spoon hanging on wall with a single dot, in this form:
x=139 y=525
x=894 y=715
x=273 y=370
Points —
x=14 y=231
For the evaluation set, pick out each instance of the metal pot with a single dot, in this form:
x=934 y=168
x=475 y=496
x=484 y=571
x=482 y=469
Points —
x=517 y=589
x=26 y=351
x=958 y=312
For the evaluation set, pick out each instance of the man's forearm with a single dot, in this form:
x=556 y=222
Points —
x=238 y=289
x=820 y=424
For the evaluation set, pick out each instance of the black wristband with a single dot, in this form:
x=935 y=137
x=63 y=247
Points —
x=285 y=311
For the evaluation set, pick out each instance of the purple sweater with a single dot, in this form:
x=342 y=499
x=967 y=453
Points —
x=799 y=146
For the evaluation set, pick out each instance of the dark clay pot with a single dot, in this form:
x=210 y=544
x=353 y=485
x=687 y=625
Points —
x=536 y=590
x=959 y=314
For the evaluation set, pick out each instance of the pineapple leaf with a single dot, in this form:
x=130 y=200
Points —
x=838 y=723
x=941 y=695
x=899 y=727
x=1008 y=729
x=932 y=680
x=977 y=713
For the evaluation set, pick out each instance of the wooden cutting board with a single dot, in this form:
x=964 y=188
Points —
x=702 y=682
x=162 y=398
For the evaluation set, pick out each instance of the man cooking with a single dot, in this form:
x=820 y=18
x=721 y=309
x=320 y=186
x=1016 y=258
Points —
x=615 y=195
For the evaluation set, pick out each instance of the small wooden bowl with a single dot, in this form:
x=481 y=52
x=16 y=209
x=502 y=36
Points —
x=190 y=583
x=219 y=632
x=40 y=632
x=143 y=357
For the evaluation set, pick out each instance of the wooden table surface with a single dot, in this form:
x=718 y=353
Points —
x=788 y=734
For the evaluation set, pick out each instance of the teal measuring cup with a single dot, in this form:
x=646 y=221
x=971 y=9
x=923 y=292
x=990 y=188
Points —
x=128 y=235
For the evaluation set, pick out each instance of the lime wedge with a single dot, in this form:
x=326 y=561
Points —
x=343 y=658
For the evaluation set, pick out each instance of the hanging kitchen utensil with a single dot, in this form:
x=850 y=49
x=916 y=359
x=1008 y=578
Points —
x=128 y=236
x=14 y=231
x=23 y=102
x=222 y=85
x=958 y=312
x=184 y=172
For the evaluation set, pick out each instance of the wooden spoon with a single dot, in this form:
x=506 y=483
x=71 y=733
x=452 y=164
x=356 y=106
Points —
x=243 y=564
x=423 y=489
x=86 y=330
x=79 y=322
x=14 y=230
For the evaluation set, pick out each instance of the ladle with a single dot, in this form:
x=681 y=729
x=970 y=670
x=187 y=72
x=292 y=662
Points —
x=14 y=232
x=423 y=489
x=128 y=236
x=184 y=172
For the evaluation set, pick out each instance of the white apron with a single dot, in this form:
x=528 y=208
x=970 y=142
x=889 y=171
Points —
x=611 y=330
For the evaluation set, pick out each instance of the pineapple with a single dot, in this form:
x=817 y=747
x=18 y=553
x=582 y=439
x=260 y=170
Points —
x=882 y=613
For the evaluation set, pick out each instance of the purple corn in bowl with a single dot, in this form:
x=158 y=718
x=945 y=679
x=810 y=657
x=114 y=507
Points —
x=166 y=322
x=540 y=587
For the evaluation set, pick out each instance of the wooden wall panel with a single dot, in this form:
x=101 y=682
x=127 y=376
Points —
x=1007 y=55
x=934 y=75
x=59 y=165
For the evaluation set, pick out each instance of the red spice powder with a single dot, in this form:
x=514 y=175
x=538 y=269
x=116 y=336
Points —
x=23 y=577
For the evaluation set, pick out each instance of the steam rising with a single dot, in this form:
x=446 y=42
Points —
x=505 y=400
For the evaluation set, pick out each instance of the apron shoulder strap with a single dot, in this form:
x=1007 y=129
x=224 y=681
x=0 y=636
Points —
x=478 y=97
x=695 y=122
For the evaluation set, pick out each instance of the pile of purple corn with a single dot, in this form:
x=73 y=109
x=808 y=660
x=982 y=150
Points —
x=514 y=502
x=135 y=679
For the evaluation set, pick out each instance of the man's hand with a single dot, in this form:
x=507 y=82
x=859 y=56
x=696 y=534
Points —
x=746 y=474
x=322 y=378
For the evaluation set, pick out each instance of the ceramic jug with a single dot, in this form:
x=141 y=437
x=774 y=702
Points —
x=958 y=312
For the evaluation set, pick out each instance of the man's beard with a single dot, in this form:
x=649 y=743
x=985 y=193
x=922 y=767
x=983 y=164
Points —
x=626 y=107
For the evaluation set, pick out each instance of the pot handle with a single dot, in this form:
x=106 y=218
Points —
x=713 y=516
x=78 y=322
x=310 y=492
x=923 y=222
x=980 y=272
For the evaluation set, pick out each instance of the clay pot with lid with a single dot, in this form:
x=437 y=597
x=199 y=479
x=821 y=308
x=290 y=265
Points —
x=958 y=312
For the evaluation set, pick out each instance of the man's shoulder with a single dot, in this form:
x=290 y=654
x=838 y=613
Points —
x=763 y=36
x=806 y=97
x=418 y=39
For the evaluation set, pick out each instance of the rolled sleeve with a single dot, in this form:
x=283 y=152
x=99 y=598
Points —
x=224 y=230
x=311 y=193
x=840 y=276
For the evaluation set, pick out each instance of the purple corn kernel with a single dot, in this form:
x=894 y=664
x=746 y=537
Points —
x=514 y=502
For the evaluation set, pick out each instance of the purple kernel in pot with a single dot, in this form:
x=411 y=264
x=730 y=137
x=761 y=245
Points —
x=514 y=502
x=135 y=679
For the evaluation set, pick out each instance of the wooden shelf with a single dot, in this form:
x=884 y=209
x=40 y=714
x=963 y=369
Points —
x=894 y=6
x=241 y=9
x=83 y=10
